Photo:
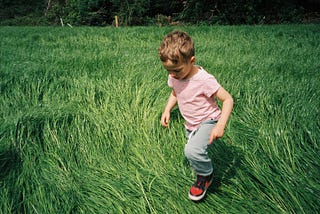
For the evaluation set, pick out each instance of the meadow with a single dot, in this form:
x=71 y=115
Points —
x=80 y=121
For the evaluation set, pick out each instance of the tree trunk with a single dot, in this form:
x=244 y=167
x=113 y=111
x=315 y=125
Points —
x=50 y=2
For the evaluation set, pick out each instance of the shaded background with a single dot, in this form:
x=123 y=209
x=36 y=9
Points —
x=160 y=12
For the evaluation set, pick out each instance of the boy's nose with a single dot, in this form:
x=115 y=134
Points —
x=172 y=74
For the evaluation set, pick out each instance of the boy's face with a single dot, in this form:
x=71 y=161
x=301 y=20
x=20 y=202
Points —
x=181 y=70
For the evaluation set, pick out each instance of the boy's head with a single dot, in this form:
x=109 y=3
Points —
x=176 y=46
x=177 y=55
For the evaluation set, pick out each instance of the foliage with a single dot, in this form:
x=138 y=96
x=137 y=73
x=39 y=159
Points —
x=241 y=11
x=80 y=129
x=142 y=12
x=21 y=12
x=131 y=12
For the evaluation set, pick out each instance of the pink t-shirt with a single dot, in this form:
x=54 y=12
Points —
x=195 y=99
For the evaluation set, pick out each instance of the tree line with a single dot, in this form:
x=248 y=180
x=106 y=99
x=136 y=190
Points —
x=158 y=12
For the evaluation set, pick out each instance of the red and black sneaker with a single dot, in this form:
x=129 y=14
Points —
x=200 y=186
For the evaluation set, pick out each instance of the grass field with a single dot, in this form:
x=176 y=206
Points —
x=80 y=121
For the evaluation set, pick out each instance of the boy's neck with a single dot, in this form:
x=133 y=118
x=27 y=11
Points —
x=193 y=72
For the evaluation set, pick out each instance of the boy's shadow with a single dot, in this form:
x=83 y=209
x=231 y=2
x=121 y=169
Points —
x=226 y=159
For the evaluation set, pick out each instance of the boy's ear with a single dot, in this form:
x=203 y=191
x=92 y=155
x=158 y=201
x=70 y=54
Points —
x=193 y=59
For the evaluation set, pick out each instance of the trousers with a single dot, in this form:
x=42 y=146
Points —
x=196 y=149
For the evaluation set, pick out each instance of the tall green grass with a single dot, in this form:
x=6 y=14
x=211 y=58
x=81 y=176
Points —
x=80 y=130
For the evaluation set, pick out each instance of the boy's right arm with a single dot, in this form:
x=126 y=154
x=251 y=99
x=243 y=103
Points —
x=172 y=101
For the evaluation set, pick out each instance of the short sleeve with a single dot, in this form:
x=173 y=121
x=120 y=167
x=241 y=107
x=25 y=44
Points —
x=170 y=81
x=210 y=86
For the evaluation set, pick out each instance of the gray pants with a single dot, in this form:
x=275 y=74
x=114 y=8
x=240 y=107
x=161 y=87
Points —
x=196 y=149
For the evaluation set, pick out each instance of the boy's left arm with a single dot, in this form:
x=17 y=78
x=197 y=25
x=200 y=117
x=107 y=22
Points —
x=227 y=105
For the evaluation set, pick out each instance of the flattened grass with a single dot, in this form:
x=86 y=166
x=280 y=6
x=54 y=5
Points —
x=80 y=127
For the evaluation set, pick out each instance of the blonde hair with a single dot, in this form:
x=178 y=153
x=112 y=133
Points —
x=176 y=46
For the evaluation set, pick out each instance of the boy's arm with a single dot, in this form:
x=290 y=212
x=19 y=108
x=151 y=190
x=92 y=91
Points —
x=227 y=105
x=172 y=101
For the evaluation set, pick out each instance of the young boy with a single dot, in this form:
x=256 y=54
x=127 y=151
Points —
x=194 y=90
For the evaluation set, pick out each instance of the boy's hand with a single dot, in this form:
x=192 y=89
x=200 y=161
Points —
x=216 y=132
x=165 y=119
x=172 y=101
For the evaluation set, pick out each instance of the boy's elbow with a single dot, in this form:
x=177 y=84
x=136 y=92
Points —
x=230 y=101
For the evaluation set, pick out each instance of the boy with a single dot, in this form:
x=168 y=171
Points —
x=194 y=90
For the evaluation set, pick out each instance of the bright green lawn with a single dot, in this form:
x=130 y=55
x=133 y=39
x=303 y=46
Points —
x=80 y=131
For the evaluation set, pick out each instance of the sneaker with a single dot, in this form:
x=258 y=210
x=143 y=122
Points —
x=200 y=186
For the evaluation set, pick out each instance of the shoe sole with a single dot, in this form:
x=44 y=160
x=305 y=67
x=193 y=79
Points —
x=198 y=198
